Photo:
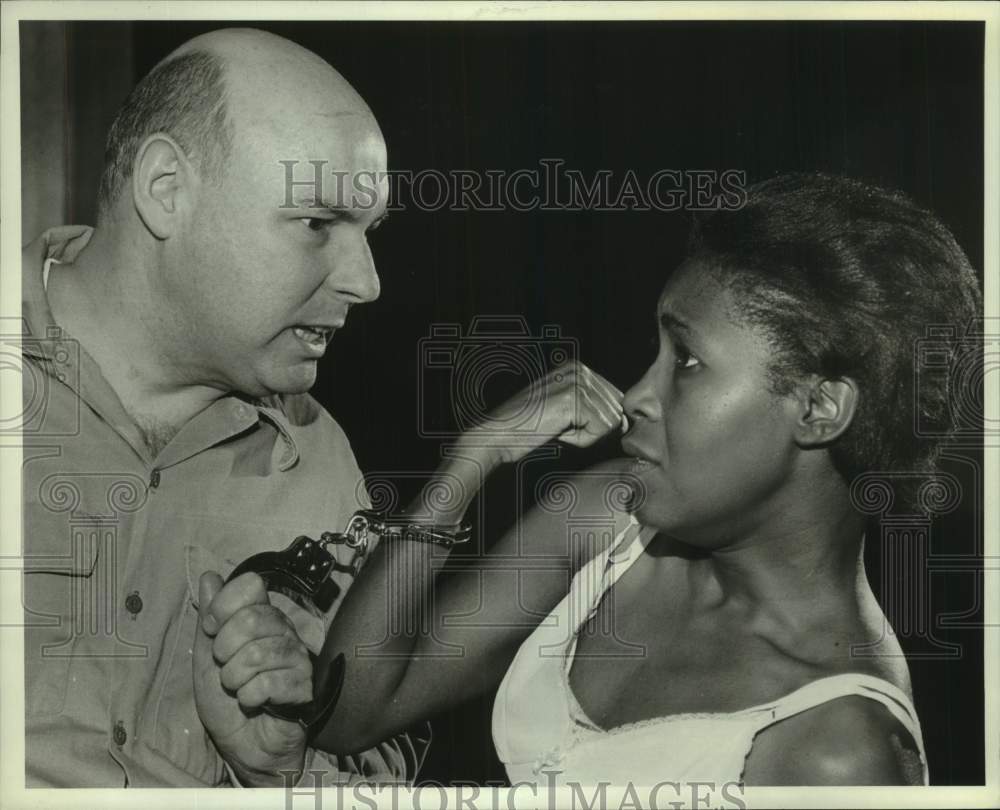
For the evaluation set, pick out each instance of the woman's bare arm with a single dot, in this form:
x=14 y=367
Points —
x=416 y=642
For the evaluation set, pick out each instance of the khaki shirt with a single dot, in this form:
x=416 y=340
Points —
x=115 y=541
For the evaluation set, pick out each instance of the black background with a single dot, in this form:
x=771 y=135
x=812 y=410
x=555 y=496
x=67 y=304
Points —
x=897 y=103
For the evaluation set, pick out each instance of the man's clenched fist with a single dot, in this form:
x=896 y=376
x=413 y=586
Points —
x=247 y=653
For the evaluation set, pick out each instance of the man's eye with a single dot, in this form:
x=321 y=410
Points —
x=316 y=223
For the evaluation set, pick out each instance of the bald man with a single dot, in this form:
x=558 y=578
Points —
x=175 y=343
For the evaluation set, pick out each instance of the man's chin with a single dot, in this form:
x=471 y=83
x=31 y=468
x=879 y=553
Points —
x=297 y=379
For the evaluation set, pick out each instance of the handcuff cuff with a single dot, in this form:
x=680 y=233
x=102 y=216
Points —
x=302 y=573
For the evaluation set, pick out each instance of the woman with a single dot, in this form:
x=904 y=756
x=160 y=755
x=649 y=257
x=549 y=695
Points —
x=711 y=639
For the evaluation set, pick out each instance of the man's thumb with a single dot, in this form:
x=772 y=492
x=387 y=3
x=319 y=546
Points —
x=209 y=584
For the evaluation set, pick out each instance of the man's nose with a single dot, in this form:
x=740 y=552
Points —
x=642 y=400
x=353 y=273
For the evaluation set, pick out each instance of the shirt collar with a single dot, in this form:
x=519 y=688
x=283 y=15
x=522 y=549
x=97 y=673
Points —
x=42 y=337
x=229 y=416
x=272 y=408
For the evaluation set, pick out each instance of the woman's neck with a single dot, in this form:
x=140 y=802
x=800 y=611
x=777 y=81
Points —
x=800 y=562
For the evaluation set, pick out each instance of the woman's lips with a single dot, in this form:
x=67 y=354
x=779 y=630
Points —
x=640 y=465
x=640 y=457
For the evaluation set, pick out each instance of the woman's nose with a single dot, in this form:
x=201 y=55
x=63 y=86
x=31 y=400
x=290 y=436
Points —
x=642 y=400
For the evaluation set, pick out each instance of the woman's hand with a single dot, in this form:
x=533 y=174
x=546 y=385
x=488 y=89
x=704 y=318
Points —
x=572 y=404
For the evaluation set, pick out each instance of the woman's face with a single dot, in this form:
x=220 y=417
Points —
x=712 y=446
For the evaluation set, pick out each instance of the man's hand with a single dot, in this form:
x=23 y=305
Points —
x=247 y=653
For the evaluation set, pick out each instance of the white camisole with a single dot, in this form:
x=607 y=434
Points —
x=543 y=735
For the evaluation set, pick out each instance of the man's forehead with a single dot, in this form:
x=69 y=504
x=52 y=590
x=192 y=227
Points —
x=348 y=143
x=283 y=123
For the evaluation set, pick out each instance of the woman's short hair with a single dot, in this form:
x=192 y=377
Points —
x=846 y=278
x=184 y=97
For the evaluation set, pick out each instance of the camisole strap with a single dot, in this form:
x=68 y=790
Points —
x=594 y=579
x=624 y=551
x=852 y=683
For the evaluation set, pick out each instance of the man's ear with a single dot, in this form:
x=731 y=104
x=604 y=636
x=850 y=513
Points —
x=826 y=410
x=162 y=180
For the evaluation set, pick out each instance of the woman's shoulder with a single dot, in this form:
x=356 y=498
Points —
x=847 y=709
x=850 y=740
x=849 y=717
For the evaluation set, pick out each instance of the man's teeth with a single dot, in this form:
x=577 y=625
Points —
x=311 y=334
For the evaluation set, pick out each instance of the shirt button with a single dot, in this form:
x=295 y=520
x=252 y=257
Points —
x=154 y=479
x=119 y=735
x=133 y=603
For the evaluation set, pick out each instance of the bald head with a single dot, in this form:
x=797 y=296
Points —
x=266 y=75
x=219 y=87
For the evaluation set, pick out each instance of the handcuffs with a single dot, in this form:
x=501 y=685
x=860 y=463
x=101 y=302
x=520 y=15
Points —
x=302 y=573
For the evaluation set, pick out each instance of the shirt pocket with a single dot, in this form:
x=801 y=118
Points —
x=64 y=599
x=174 y=728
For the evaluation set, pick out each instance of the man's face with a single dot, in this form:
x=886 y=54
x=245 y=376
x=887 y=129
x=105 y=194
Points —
x=256 y=288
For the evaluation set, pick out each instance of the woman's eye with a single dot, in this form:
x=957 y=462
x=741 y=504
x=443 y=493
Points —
x=683 y=358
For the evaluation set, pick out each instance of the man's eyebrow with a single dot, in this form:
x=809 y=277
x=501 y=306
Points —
x=309 y=201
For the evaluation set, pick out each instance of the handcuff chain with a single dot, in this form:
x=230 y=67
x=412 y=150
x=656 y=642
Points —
x=355 y=535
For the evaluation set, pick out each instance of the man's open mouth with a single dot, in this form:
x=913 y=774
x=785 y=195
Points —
x=314 y=335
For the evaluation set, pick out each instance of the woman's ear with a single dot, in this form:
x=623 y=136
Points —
x=161 y=181
x=826 y=410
